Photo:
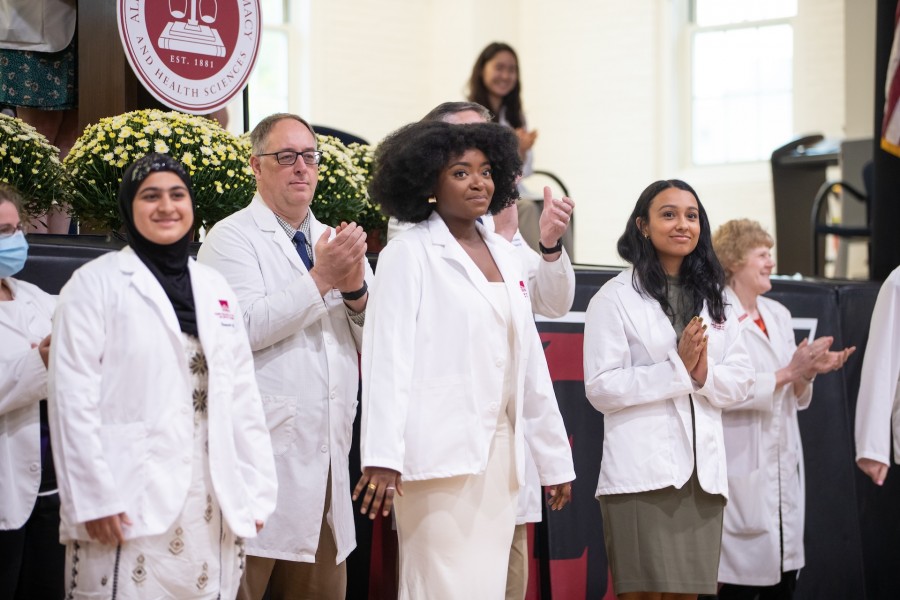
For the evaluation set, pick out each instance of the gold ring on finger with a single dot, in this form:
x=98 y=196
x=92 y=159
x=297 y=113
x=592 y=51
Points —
x=373 y=487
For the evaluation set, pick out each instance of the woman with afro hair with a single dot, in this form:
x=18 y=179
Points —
x=454 y=374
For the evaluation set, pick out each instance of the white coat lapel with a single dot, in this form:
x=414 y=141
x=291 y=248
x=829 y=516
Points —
x=316 y=229
x=748 y=326
x=454 y=253
x=647 y=318
x=513 y=276
x=148 y=287
x=266 y=222
x=778 y=350
x=30 y=312
x=209 y=310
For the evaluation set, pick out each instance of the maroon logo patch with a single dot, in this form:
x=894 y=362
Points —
x=192 y=55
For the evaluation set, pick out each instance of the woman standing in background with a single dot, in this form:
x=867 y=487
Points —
x=495 y=84
x=39 y=64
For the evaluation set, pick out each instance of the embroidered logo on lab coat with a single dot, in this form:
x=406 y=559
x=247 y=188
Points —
x=226 y=317
x=524 y=288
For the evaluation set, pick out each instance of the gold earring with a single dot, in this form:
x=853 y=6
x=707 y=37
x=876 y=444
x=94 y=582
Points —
x=646 y=236
x=432 y=199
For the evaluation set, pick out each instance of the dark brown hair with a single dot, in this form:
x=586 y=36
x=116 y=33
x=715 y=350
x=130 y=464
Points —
x=478 y=92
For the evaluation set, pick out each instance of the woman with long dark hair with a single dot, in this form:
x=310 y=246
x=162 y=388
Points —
x=662 y=356
x=495 y=84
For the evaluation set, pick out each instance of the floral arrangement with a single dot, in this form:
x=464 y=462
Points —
x=30 y=164
x=371 y=218
x=342 y=191
x=217 y=161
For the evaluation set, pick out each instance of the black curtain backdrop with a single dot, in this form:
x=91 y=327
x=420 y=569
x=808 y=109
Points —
x=878 y=508
x=833 y=547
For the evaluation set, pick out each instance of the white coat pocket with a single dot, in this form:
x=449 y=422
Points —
x=746 y=512
x=281 y=412
x=442 y=429
x=125 y=451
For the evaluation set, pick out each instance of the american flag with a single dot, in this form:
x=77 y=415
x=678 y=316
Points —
x=890 y=129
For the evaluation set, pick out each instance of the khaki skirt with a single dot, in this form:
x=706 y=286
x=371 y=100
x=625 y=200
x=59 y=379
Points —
x=664 y=540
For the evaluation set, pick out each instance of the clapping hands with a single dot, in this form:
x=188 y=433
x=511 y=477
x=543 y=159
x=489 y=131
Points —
x=692 y=349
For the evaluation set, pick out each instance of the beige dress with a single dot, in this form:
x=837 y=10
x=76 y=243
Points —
x=455 y=532
x=198 y=558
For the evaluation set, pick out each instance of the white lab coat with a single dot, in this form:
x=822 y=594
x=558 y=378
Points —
x=765 y=459
x=432 y=383
x=305 y=348
x=119 y=405
x=551 y=288
x=551 y=285
x=877 y=405
x=23 y=384
x=634 y=376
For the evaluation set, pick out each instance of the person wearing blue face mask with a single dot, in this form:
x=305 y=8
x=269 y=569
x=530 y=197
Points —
x=32 y=560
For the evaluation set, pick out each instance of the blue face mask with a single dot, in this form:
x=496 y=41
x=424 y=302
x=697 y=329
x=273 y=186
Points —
x=13 y=252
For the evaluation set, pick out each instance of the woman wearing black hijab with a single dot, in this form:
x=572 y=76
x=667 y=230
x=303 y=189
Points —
x=163 y=456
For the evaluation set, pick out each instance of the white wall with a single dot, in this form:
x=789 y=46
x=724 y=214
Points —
x=859 y=67
x=604 y=82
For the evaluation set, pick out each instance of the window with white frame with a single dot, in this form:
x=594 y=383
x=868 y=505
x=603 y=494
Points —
x=742 y=79
x=269 y=85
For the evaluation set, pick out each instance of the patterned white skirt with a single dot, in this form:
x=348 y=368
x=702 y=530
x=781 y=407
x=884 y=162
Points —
x=197 y=558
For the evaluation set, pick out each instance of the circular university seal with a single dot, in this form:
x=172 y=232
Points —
x=192 y=55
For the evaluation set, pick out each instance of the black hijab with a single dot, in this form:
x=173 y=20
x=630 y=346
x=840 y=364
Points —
x=168 y=263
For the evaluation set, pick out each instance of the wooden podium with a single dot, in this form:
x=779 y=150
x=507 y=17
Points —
x=106 y=84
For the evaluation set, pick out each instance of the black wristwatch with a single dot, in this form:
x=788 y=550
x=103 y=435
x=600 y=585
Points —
x=351 y=296
x=553 y=250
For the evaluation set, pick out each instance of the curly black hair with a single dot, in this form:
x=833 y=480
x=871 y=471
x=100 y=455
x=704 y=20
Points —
x=409 y=161
x=701 y=274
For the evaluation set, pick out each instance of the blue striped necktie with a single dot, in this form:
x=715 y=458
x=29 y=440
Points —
x=300 y=240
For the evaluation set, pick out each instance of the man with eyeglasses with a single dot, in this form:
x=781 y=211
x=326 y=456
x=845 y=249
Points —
x=302 y=287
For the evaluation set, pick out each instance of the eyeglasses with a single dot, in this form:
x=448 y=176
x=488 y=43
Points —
x=10 y=230
x=288 y=157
